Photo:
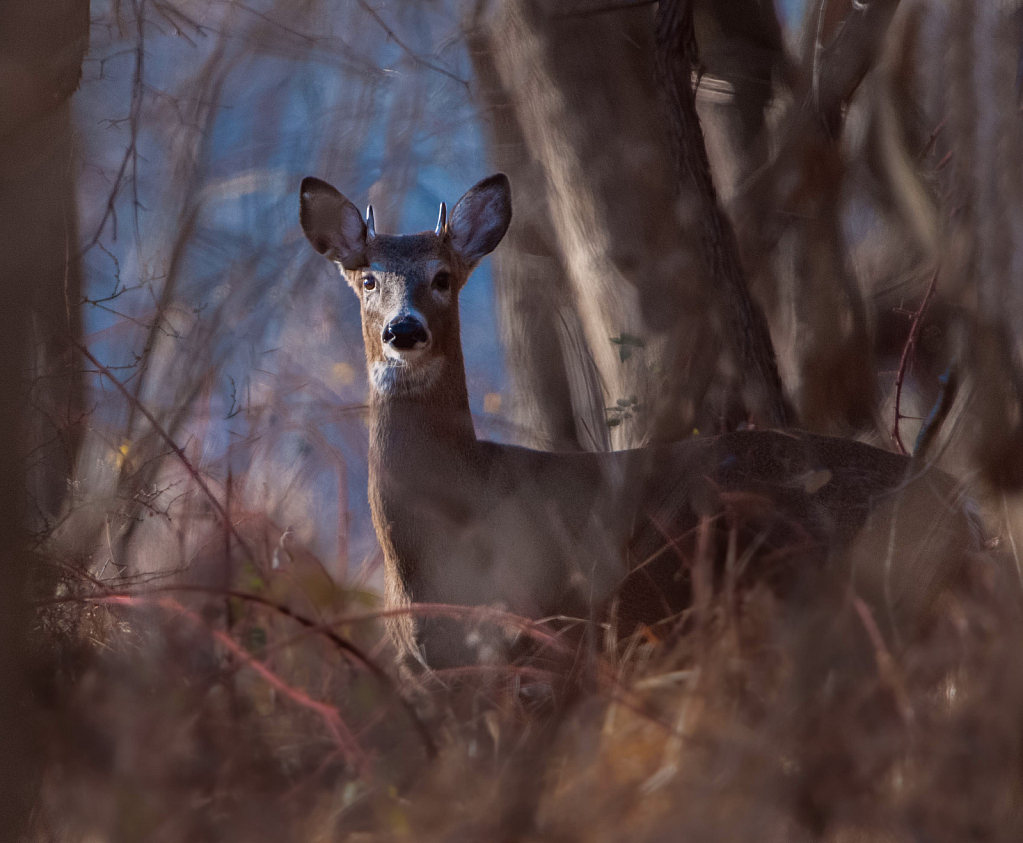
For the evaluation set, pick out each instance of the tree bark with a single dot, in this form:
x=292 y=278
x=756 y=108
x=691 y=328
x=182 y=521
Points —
x=41 y=49
x=530 y=279
x=583 y=97
x=42 y=45
x=748 y=333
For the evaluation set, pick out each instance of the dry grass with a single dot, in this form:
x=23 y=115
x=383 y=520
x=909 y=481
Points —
x=190 y=712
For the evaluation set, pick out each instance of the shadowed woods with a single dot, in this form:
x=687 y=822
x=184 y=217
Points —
x=673 y=619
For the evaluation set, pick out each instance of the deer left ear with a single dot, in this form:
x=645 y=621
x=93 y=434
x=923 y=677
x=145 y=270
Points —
x=480 y=219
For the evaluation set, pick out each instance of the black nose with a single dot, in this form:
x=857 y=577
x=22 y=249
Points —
x=405 y=334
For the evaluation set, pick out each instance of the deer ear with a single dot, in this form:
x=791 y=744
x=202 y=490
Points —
x=481 y=218
x=333 y=224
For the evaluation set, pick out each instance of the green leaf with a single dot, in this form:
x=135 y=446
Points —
x=626 y=343
x=255 y=640
x=251 y=579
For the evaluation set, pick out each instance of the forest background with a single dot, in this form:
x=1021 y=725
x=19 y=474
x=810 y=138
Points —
x=188 y=376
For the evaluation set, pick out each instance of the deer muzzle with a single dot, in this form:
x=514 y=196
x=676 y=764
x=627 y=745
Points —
x=405 y=334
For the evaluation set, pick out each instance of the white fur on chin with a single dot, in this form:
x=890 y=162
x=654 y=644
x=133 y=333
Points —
x=395 y=377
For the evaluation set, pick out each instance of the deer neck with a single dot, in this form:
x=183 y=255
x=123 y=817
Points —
x=412 y=427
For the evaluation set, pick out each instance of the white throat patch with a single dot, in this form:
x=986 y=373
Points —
x=395 y=378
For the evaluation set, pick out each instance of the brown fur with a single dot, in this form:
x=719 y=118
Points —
x=475 y=523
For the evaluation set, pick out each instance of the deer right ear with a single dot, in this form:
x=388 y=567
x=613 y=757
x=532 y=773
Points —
x=333 y=224
x=480 y=219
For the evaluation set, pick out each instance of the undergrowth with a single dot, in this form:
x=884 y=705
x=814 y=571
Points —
x=265 y=708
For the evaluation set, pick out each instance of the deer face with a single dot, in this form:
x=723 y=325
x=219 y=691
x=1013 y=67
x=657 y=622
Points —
x=408 y=285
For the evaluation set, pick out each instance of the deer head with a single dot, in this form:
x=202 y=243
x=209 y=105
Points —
x=408 y=285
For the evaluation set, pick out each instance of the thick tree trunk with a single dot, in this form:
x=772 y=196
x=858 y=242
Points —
x=41 y=49
x=585 y=101
x=748 y=333
x=42 y=45
x=984 y=238
x=534 y=299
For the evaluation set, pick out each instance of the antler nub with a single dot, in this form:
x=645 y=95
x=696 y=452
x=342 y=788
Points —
x=442 y=220
x=371 y=225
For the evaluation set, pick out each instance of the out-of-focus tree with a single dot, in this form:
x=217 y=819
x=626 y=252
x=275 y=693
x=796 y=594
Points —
x=41 y=50
x=841 y=153
x=610 y=284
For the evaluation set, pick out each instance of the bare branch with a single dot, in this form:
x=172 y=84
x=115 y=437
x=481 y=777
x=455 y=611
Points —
x=405 y=48
x=180 y=454
x=323 y=628
x=907 y=353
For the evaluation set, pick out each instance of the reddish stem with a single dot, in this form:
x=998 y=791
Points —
x=330 y=716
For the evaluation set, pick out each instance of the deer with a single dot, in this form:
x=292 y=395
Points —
x=473 y=523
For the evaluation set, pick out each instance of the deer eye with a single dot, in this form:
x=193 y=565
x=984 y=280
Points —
x=442 y=281
x=369 y=282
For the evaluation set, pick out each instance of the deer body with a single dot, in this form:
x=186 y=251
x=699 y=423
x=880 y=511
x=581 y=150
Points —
x=472 y=523
x=475 y=523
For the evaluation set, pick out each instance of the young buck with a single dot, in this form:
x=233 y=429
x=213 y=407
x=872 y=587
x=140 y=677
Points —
x=475 y=523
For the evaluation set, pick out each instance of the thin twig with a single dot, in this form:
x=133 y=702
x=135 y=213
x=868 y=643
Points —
x=907 y=350
x=607 y=7
x=180 y=454
x=324 y=628
x=932 y=139
x=331 y=717
x=885 y=663
x=130 y=157
x=528 y=627
x=412 y=54
x=342 y=644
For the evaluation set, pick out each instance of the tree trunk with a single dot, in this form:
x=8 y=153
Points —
x=583 y=97
x=531 y=282
x=748 y=333
x=41 y=49
x=42 y=45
